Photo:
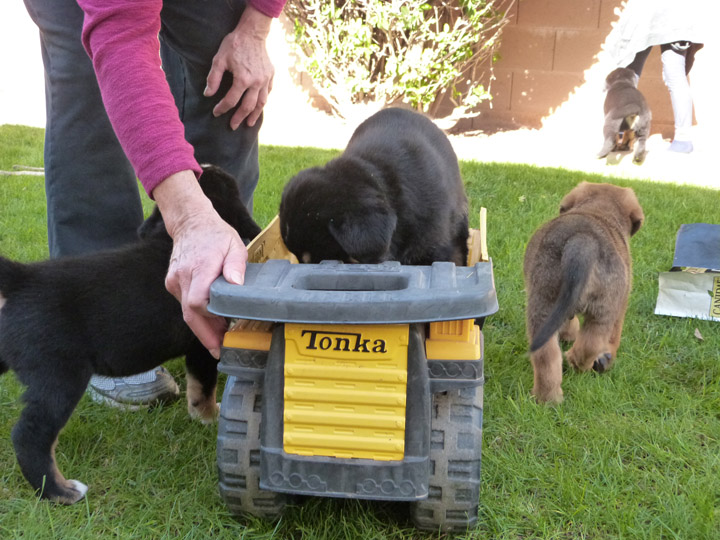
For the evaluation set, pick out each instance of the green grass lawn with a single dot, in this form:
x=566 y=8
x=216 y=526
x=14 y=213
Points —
x=633 y=453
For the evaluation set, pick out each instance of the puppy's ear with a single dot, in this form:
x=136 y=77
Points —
x=221 y=189
x=636 y=224
x=241 y=220
x=572 y=198
x=634 y=210
x=153 y=226
x=365 y=236
x=637 y=218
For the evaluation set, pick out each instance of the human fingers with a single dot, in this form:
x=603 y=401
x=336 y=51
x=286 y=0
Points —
x=193 y=301
x=245 y=56
x=215 y=75
x=235 y=95
x=208 y=328
x=247 y=109
x=204 y=247
x=259 y=106
x=235 y=266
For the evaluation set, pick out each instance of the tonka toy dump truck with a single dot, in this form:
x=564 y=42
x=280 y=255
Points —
x=358 y=381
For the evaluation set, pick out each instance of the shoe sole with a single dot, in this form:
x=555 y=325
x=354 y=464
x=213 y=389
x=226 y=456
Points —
x=103 y=399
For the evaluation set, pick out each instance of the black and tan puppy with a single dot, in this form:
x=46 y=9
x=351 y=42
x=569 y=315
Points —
x=627 y=115
x=395 y=193
x=108 y=313
x=579 y=264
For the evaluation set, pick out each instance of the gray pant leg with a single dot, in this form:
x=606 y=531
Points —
x=92 y=194
x=676 y=80
x=191 y=34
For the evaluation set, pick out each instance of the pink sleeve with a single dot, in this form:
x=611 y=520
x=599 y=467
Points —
x=271 y=8
x=121 y=38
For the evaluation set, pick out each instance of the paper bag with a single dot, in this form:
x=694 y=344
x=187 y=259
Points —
x=692 y=287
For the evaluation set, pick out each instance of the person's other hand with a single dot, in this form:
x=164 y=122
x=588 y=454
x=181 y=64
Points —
x=204 y=247
x=244 y=54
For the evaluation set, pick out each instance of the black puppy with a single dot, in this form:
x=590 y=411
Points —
x=108 y=313
x=627 y=115
x=395 y=193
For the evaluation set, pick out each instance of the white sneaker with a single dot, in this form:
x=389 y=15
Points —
x=135 y=391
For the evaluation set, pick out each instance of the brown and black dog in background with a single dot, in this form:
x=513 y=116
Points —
x=108 y=313
x=627 y=115
x=579 y=264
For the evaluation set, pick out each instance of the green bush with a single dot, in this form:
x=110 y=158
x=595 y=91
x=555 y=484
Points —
x=391 y=51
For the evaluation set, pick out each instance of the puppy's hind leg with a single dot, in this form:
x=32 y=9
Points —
x=605 y=361
x=592 y=348
x=547 y=372
x=35 y=437
x=640 y=151
x=610 y=131
x=569 y=330
x=201 y=369
x=642 y=132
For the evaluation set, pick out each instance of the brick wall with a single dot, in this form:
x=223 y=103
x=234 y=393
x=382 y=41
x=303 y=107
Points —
x=545 y=51
x=549 y=71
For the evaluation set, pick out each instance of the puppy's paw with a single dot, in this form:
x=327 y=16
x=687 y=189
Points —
x=549 y=397
x=602 y=363
x=569 y=331
x=571 y=357
x=205 y=410
x=73 y=491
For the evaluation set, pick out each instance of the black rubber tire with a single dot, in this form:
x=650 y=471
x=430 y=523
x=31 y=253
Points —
x=455 y=462
x=238 y=452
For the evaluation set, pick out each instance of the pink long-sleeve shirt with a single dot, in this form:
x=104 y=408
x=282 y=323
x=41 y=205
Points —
x=121 y=38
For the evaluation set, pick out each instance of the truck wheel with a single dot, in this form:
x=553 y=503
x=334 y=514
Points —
x=238 y=452
x=455 y=453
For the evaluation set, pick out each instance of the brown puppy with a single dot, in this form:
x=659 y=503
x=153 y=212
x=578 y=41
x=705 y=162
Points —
x=579 y=263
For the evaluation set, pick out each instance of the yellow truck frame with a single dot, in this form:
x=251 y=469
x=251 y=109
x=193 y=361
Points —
x=355 y=381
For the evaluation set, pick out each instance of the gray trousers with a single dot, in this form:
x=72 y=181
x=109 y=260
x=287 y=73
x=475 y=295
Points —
x=92 y=193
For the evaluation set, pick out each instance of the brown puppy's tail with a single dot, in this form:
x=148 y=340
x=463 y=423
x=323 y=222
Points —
x=575 y=268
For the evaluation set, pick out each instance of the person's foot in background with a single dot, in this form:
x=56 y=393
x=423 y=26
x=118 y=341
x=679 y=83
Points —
x=684 y=147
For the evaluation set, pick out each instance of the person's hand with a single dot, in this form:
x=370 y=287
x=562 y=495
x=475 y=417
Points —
x=244 y=54
x=204 y=247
